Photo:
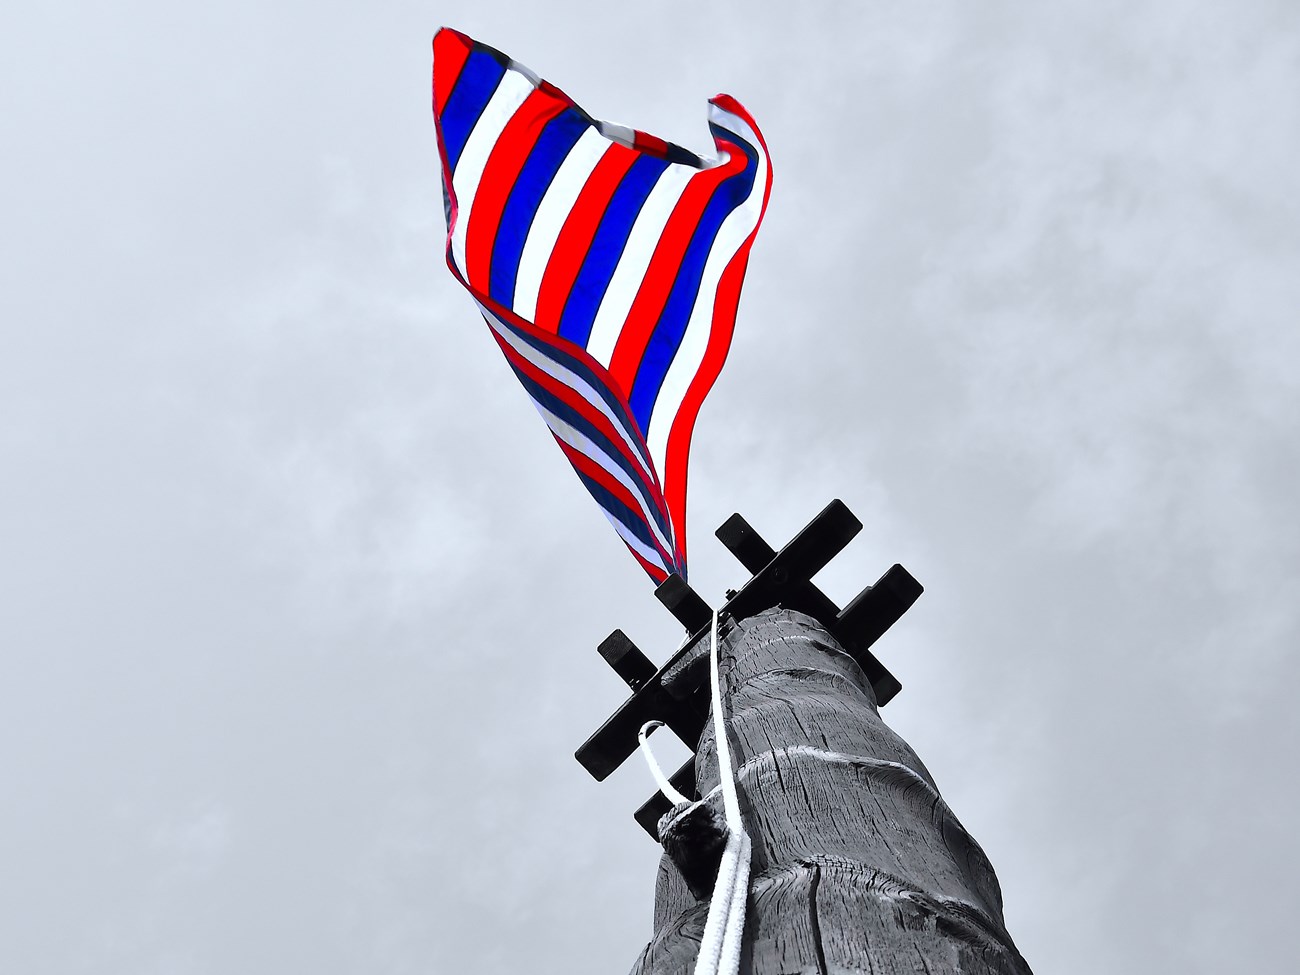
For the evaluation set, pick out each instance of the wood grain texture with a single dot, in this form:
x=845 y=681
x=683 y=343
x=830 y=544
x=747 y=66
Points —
x=859 y=865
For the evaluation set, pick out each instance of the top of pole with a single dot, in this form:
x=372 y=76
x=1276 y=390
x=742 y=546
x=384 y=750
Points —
x=677 y=692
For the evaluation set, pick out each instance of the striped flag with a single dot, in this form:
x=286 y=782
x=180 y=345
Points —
x=607 y=264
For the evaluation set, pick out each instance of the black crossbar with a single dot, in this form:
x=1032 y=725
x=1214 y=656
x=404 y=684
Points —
x=684 y=603
x=677 y=693
x=626 y=658
x=806 y=554
x=744 y=543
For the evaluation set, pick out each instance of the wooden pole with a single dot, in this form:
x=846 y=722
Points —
x=858 y=866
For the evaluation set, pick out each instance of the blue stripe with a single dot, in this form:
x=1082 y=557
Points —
x=558 y=138
x=676 y=154
x=629 y=519
x=569 y=415
x=478 y=80
x=579 y=368
x=671 y=327
x=607 y=247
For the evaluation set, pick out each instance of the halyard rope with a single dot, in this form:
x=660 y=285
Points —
x=721 y=945
x=661 y=780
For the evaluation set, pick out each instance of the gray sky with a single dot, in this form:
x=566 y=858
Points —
x=300 y=601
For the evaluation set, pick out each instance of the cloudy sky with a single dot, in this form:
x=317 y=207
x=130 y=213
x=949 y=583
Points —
x=299 y=602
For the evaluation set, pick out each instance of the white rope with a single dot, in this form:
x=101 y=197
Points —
x=726 y=774
x=661 y=780
x=720 y=947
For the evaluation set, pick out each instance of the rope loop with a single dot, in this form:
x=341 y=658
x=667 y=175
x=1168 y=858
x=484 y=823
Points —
x=661 y=780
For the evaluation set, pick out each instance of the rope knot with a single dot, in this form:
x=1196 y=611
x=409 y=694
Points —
x=694 y=835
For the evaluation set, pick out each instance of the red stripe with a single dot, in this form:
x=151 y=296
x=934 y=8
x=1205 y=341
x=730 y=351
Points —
x=450 y=52
x=677 y=449
x=601 y=376
x=663 y=269
x=726 y=301
x=593 y=470
x=652 y=144
x=571 y=398
x=576 y=235
x=451 y=49
x=587 y=465
x=550 y=89
x=729 y=104
x=656 y=572
x=715 y=354
x=507 y=158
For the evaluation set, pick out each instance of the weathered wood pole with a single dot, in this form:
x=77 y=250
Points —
x=858 y=866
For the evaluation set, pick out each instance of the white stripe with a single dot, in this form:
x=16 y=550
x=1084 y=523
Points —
x=734 y=123
x=580 y=442
x=638 y=546
x=617 y=132
x=571 y=379
x=738 y=225
x=632 y=266
x=549 y=219
x=510 y=94
x=583 y=444
x=526 y=71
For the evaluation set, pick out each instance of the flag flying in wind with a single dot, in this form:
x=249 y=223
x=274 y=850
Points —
x=607 y=264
